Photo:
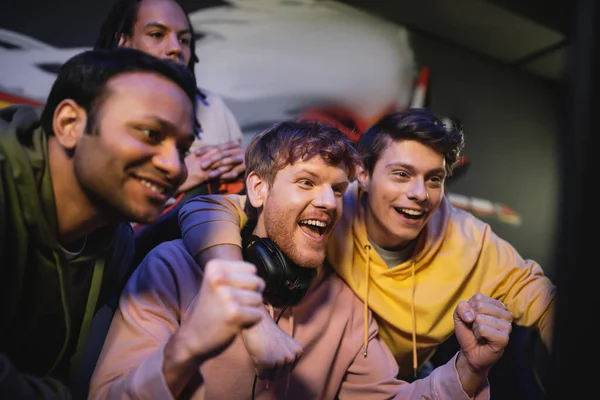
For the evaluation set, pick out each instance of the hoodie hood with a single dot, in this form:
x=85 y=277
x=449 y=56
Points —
x=24 y=145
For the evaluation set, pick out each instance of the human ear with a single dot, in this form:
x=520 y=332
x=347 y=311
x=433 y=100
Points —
x=69 y=123
x=124 y=41
x=363 y=177
x=256 y=190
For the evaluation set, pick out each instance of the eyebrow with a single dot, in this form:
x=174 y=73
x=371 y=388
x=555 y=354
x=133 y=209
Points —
x=341 y=184
x=306 y=171
x=156 y=24
x=411 y=169
x=317 y=176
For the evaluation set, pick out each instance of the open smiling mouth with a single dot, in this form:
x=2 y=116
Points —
x=152 y=186
x=155 y=188
x=313 y=227
x=157 y=192
x=410 y=214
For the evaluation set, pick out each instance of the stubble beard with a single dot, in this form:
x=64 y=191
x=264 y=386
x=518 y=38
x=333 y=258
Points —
x=280 y=229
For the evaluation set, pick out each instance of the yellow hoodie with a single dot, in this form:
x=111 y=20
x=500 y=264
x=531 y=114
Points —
x=457 y=256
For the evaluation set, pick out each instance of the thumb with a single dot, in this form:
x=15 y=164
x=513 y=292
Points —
x=464 y=316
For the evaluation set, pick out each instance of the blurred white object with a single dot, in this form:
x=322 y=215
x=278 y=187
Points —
x=269 y=59
x=29 y=68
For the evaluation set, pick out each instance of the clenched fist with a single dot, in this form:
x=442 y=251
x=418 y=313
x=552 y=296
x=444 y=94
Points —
x=482 y=326
x=229 y=300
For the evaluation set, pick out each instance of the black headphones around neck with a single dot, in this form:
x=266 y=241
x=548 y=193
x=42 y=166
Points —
x=286 y=282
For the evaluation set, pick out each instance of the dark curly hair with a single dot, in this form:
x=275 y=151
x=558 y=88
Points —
x=414 y=124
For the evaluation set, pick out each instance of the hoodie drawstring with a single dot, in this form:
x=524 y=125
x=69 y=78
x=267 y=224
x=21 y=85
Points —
x=65 y=305
x=414 y=320
x=412 y=309
x=366 y=302
x=90 y=309
x=289 y=376
x=292 y=327
x=271 y=311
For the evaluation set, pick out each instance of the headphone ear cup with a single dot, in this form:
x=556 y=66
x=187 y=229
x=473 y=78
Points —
x=259 y=252
x=278 y=260
x=286 y=283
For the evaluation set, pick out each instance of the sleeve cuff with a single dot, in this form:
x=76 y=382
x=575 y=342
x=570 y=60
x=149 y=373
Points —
x=148 y=381
x=447 y=383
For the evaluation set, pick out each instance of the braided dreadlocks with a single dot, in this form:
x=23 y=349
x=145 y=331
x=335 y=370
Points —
x=120 y=21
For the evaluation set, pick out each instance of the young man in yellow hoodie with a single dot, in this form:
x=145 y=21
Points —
x=404 y=250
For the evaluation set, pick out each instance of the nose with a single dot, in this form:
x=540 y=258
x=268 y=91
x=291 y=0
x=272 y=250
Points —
x=326 y=199
x=169 y=161
x=174 y=48
x=418 y=191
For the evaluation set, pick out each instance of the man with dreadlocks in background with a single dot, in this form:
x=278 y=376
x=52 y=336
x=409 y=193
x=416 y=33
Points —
x=216 y=162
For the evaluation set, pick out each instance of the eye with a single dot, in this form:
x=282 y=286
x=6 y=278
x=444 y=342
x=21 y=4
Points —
x=156 y=35
x=185 y=40
x=305 y=183
x=400 y=174
x=436 y=181
x=153 y=136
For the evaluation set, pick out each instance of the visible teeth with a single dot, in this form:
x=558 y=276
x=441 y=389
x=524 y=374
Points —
x=320 y=224
x=152 y=186
x=412 y=212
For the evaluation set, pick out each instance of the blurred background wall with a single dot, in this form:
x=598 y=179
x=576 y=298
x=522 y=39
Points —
x=496 y=66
